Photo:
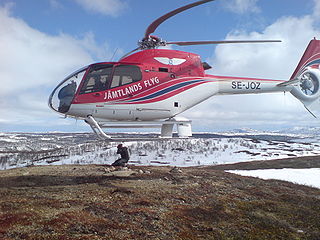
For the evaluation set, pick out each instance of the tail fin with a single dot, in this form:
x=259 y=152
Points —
x=310 y=58
x=307 y=74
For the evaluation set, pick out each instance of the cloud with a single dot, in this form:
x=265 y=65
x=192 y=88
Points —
x=31 y=58
x=55 y=4
x=32 y=63
x=316 y=10
x=105 y=7
x=242 y=6
x=270 y=60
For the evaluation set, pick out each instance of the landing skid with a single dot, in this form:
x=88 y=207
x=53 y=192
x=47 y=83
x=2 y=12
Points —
x=183 y=126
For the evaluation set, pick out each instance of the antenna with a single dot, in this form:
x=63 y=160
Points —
x=113 y=54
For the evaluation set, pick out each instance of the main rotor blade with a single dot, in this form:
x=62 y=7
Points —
x=127 y=54
x=152 y=27
x=221 y=42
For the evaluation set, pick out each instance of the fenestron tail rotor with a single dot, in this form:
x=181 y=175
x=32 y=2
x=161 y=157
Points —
x=149 y=41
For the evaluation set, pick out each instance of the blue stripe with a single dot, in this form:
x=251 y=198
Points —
x=317 y=61
x=166 y=90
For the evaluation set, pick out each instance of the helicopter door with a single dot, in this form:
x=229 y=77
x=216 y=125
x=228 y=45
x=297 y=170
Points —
x=125 y=76
x=90 y=95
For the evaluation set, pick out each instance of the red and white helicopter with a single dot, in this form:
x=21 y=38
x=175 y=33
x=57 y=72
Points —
x=153 y=86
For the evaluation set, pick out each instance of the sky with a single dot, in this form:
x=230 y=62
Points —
x=43 y=41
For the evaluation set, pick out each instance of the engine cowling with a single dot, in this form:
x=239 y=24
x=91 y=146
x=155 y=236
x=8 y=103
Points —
x=307 y=89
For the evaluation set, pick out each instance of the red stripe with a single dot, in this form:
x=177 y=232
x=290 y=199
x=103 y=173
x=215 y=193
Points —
x=164 y=96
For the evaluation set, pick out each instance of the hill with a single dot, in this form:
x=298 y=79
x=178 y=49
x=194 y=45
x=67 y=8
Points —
x=298 y=162
x=92 y=202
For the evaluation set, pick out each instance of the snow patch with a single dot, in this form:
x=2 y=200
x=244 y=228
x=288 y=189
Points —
x=309 y=176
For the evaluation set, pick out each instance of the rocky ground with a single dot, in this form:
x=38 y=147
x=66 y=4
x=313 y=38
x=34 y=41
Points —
x=96 y=202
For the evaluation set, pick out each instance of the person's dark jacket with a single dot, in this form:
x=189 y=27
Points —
x=123 y=151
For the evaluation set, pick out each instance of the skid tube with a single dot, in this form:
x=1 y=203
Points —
x=183 y=126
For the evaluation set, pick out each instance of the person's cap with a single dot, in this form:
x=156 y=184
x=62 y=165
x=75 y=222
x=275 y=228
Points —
x=119 y=146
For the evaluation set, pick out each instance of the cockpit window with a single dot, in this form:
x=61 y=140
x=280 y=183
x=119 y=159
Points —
x=125 y=74
x=97 y=79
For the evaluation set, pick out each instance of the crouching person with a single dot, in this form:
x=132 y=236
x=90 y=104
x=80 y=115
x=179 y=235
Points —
x=124 y=156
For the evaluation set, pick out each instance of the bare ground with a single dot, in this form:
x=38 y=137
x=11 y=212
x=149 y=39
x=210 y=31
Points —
x=297 y=162
x=86 y=202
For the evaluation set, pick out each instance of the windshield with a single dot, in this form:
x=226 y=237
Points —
x=62 y=96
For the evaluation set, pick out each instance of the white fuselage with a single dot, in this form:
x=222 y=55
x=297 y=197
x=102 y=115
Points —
x=178 y=103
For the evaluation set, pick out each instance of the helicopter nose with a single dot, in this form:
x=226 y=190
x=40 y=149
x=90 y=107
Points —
x=62 y=96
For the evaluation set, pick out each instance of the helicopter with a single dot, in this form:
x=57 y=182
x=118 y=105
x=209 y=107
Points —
x=151 y=86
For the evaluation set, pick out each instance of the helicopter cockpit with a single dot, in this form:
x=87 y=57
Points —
x=91 y=79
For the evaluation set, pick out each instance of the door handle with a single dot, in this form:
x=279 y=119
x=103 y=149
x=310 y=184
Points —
x=97 y=94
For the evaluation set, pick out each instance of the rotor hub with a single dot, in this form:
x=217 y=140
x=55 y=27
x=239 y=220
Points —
x=151 y=42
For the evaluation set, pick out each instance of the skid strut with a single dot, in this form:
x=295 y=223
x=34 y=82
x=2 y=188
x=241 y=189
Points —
x=96 y=128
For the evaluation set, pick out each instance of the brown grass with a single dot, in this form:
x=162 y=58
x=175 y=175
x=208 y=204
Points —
x=81 y=202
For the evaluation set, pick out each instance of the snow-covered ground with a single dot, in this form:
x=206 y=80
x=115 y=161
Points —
x=192 y=152
x=309 y=177
x=24 y=149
